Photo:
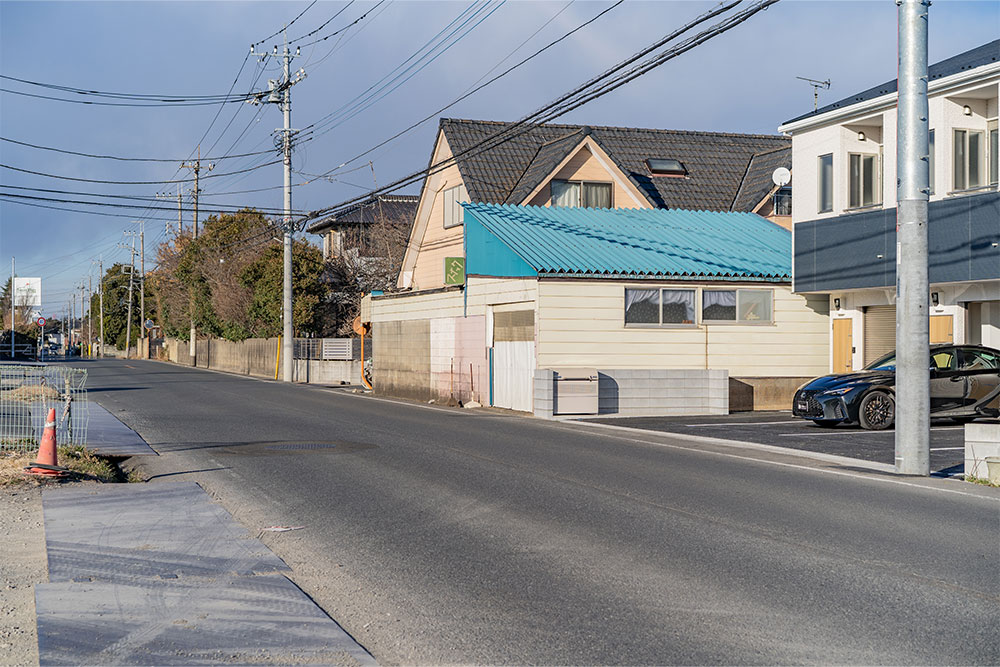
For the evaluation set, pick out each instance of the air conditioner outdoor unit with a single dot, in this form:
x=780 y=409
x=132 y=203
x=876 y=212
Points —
x=575 y=391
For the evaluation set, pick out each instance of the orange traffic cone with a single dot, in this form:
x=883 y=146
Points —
x=47 y=463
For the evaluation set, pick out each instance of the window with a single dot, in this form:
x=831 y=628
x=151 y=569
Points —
x=655 y=307
x=930 y=160
x=979 y=360
x=741 y=305
x=863 y=180
x=783 y=201
x=581 y=194
x=666 y=167
x=968 y=159
x=994 y=152
x=826 y=183
x=454 y=214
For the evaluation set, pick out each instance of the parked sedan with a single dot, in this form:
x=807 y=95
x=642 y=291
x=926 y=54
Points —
x=964 y=385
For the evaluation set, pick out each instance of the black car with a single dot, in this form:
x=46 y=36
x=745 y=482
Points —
x=965 y=384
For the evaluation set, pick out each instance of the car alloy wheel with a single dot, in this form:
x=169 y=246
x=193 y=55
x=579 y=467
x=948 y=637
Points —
x=877 y=411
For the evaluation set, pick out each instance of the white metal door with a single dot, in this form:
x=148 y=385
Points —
x=514 y=359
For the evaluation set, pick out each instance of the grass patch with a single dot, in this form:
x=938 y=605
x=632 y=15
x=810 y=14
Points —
x=86 y=465
x=981 y=480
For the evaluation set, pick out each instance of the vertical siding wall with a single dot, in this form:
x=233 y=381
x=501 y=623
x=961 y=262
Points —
x=426 y=347
x=582 y=323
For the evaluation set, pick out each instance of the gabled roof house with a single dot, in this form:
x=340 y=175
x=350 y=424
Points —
x=584 y=166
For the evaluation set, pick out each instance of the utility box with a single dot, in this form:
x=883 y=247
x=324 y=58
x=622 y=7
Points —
x=575 y=391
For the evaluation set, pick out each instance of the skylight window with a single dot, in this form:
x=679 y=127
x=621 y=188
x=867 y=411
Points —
x=666 y=167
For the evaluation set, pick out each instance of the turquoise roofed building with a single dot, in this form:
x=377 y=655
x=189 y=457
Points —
x=559 y=310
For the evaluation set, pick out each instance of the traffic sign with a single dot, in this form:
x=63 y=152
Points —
x=149 y=324
x=41 y=321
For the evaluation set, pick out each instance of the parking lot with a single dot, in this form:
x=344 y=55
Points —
x=780 y=429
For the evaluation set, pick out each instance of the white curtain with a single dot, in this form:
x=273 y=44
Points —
x=565 y=194
x=641 y=306
x=718 y=304
x=678 y=306
x=597 y=195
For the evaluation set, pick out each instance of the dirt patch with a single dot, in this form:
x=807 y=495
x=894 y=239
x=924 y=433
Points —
x=32 y=392
x=23 y=565
x=83 y=465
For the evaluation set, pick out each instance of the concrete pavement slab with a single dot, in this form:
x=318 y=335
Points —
x=161 y=574
x=225 y=620
x=108 y=436
x=123 y=531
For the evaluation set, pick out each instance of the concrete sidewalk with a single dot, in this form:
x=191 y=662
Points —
x=160 y=574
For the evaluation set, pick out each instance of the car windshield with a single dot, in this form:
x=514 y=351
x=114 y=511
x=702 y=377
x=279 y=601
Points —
x=886 y=363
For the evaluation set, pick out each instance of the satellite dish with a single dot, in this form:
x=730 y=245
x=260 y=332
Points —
x=781 y=176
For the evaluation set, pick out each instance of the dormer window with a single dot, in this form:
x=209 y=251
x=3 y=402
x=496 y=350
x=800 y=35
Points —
x=666 y=167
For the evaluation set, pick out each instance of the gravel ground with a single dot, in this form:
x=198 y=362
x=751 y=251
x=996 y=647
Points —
x=22 y=566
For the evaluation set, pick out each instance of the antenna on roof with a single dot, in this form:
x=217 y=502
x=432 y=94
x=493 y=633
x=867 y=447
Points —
x=825 y=85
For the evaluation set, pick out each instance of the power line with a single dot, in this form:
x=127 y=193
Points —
x=177 y=103
x=579 y=95
x=128 y=96
x=349 y=25
x=123 y=159
x=322 y=25
x=288 y=24
x=473 y=91
x=148 y=203
x=92 y=180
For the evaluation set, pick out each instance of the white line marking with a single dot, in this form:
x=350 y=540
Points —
x=842 y=460
x=787 y=421
x=943 y=449
x=858 y=432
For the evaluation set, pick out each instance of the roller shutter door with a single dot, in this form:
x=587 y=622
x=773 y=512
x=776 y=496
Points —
x=880 y=332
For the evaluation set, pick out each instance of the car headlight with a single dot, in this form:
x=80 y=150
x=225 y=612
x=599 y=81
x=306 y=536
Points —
x=839 y=392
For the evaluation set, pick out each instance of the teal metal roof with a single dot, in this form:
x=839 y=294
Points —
x=631 y=242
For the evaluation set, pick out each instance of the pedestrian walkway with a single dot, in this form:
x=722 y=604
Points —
x=160 y=574
x=107 y=436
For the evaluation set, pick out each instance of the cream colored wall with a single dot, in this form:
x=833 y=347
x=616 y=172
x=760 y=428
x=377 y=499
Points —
x=584 y=166
x=436 y=242
x=483 y=292
x=945 y=114
x=581 y=323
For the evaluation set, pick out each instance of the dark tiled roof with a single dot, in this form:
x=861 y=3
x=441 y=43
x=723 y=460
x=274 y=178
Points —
x=757 y=182
x=397 y=209
x=977 y=57
x=716 y=162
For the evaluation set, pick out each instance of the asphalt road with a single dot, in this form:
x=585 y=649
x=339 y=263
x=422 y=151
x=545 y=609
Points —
x=781 y=429
x=446 y=536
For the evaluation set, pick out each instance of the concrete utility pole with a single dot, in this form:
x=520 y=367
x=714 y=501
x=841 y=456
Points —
x=90 y=309
x=912 y=187
x=196 y=166
x=11 y=309
x=100 y=288
x=131 y=281
x=280 y=93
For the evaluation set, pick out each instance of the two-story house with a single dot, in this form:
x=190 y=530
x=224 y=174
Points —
x=844 y=216
x=653 y=256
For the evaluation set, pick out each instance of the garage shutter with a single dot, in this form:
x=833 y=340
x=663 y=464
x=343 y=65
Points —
x=880 y=332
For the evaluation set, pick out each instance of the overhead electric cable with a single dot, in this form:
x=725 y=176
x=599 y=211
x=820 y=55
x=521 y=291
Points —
x=92 y=180
x=322 y=25
x=287 y=25
x=126 y=159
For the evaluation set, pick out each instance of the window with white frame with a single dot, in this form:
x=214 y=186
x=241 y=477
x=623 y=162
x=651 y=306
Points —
x=968 y=159
x=454 y=214
x=994 y=151
x=677 y=306
x=826 y=183
x=581 y=194
x=863 y=180
x=738 y=305
x=659 y=306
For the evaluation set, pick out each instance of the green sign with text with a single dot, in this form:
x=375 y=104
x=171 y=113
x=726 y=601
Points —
x=454 y=270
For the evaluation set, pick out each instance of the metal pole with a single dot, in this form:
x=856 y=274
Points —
x=180 y=219
x=142 y=280
x=128 y=319
x=82 y=306
x=287 y=342
x=912 y=323
x=12 y=316
x=90 y=309
x=100 y=287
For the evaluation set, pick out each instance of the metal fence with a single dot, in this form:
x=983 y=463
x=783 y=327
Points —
x=338 y=349
x=28 y=391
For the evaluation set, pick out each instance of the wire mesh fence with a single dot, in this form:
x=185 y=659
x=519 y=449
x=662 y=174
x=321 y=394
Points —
x=28 y=391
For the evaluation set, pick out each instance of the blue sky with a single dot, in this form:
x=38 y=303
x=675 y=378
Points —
x=743 y=81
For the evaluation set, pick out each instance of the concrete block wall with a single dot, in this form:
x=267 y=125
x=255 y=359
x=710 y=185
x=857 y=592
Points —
x=981 y=440
x=318 y=371
x=402 y=361
x=648 y=392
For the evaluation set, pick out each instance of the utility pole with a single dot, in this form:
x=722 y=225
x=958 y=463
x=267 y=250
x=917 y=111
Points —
x=12 y=309
x=280 y=93
x=100 y=290
x=131 y=282
x=196 y=166
x=912 y=188
x=90 y=309
x=142 y=279
x=82 y=306
x=180 y=220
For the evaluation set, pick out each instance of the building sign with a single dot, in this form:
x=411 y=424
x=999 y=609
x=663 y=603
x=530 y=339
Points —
x=27 y=292
x=454 y=270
